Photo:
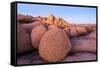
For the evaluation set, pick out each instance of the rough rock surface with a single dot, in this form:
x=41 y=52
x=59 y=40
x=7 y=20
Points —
x=80 y=56
x=84 y=45
x=23 y=40
x=24 y=19
x=36 y=35
x=31 y=58
x=54 y=45
x=29 y=26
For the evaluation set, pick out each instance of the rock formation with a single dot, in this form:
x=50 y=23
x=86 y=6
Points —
x=82 y=38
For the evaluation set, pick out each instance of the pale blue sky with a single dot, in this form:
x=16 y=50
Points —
x=69 y=13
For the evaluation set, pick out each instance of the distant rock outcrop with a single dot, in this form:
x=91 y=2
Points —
x=24 y=19
x=52 y=21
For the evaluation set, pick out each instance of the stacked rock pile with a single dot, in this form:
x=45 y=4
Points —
x=54 y=40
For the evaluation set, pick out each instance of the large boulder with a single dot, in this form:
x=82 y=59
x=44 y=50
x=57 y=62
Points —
x=54 y=45
x=36 y=35
x=23 y=40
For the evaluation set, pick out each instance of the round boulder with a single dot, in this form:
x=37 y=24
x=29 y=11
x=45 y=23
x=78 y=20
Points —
x=37 y=34
x=54 y=45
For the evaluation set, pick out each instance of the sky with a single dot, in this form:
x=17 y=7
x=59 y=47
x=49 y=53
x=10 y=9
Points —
x=73 y=14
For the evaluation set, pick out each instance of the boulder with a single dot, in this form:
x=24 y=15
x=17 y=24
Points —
x=54 y=45
x=23 y=40
x=36 y=35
